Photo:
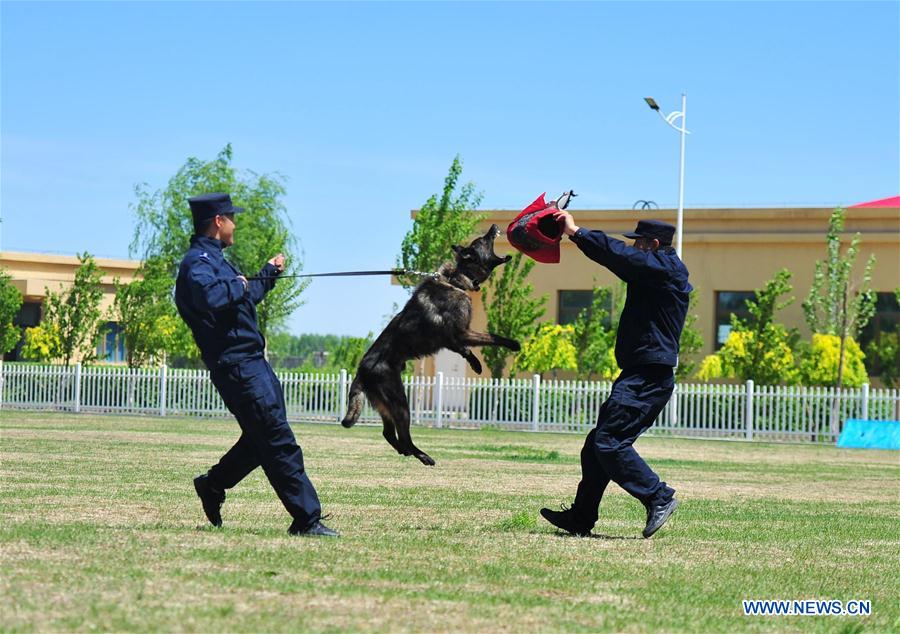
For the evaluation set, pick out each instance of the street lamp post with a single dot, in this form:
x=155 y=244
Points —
x=670 y=120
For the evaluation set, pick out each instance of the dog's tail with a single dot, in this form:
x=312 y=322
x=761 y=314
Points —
x=354 y=403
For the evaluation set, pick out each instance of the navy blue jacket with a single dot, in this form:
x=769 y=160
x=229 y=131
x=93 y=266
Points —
x=220 y=312
x=656 y=302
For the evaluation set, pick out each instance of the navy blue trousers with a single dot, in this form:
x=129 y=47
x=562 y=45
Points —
x=637 y=398
x=254 y=395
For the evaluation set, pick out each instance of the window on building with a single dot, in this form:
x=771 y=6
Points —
x=29 y=315
x=729 y=303
x=885 y=320
x=112 y=346
x=571 y=303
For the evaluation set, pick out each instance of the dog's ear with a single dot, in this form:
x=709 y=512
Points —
x=456 y=249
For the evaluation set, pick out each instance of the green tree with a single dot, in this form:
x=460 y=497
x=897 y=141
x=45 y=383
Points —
x=72 y=320
x=301 y=351
x=511 y=308
x=691 y=341
x=291 y=351
x=10 y=303
x=164 y=226
x=440 y=223
x=349 y=352
x=550 y=349
x=758 y=348
x=837 y=304
x=146 y=314
x=594 y=336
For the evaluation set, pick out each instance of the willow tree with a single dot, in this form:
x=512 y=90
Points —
x=164 y=226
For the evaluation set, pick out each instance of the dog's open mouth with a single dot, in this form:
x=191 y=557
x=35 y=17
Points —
x=490 y=236
x=477 y=260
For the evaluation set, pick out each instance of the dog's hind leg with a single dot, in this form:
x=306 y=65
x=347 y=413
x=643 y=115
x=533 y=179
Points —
x=399 y=409
x=388 y=429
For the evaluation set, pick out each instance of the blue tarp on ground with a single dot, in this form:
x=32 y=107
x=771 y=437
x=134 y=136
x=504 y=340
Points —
x=870 y=434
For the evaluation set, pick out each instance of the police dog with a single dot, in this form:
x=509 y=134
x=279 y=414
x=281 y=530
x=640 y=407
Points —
x=437 y=316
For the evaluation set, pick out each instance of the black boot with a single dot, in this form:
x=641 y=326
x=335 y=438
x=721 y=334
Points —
x=657 y=514
x=316 y=529
x=566 y=520
x=211 y=498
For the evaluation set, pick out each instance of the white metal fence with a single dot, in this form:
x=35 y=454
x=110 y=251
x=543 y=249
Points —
x=696 y=409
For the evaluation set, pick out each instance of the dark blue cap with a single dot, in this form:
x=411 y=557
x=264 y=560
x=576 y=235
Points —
x=658 y=229
x=207 y=206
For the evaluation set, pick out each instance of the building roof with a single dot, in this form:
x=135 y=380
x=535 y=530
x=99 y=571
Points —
x=32 y=273
x=893 y=201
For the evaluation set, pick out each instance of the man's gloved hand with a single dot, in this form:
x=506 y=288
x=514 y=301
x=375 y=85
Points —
x=278 y=263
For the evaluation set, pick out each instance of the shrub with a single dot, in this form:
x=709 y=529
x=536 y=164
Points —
x=821 y=358
x=550 y=349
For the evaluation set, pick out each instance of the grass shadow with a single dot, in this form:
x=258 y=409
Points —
x=566 y=535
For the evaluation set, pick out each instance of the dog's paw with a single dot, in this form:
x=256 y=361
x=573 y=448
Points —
x=425 y=459
x=475 y=364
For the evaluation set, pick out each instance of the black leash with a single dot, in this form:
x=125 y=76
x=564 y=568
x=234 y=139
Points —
x=346 y=274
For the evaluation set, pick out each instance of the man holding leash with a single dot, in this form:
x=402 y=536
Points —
x=647 y=352
x=218 y=303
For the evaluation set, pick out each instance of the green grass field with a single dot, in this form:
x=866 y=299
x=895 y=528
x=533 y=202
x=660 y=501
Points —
x=100 y=529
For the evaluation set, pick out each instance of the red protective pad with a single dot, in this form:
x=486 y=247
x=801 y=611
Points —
x=536 y=233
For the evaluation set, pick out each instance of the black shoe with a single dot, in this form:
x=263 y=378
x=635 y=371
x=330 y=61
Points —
x=657 y=514
x=211 y=498
x=565 y=520
x=316 y=529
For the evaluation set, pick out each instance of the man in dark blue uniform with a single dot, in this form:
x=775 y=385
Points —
x=218 y=303
x=647 y=351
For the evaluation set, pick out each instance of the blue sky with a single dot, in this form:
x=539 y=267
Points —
x=362 y=107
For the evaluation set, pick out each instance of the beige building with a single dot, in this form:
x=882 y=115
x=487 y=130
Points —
x=729 y=252
x=33 y=273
